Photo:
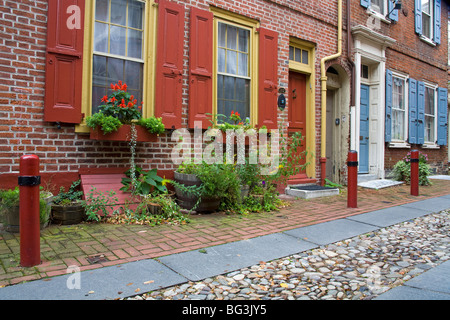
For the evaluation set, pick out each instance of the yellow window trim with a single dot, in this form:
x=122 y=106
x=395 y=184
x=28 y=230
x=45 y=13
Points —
x=237 y=20
x=308 y=69
x=149 y=57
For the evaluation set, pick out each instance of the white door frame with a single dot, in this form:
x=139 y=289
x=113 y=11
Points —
x=370 y=48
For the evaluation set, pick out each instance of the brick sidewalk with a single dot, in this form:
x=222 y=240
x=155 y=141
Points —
x=93 y=245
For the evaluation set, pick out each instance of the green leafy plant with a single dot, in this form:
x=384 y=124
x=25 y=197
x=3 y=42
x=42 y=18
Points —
x=291 y=161
x=121 y=104
x=10 y=198
x=99 y=205
x=331 y=184
x=107 y=124
x=152 y=124
x=117 y=109
x=402 y=170
x=146 y=182
x=72 y=195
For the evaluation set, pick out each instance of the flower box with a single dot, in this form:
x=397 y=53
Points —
x=124 y=134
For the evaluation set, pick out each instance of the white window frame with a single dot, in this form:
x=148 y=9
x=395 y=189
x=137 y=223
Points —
x=431 y=144
x=403 y=78
x=429 y=37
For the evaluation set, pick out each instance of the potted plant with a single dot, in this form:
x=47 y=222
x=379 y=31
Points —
x=9 y=207
x=203 y=187
x=118 y=114
x=67 y=207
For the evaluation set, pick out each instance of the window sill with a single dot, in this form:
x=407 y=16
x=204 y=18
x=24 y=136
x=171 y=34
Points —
x=399 y=145
x=430 y=146
x=427 y=41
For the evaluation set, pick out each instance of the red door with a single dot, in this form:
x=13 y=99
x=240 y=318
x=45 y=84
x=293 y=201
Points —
x=297 y=109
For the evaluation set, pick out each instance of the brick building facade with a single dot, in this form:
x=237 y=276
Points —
x=180 y=56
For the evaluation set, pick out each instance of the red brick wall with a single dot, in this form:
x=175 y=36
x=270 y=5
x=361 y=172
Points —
x=420 y=60
x=61 y=150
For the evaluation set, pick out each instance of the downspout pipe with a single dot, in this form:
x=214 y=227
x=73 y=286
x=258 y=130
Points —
x=323 y=79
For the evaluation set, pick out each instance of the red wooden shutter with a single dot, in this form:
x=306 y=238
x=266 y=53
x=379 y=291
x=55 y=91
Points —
x=268 y=78
x=201 y=65
x=64 y=61
x=169 y=63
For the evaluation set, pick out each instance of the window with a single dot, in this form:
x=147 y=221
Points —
x=430 y=115
x=398 y=109
x=233 y=70
x=427 y=18
x=118 y=47
x=298 y=55
x=365 y=71
x=378 y=6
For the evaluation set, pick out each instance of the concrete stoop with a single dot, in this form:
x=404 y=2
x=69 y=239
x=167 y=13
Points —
x=309 y=191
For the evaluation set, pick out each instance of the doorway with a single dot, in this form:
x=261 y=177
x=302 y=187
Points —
x=297 y=110
x=364 y=130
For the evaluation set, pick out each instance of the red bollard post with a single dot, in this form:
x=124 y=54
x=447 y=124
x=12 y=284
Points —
x=414 y=173
x=352 y=179
x=29 y=181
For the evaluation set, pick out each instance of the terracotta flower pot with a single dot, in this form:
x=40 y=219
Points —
x=124 y=134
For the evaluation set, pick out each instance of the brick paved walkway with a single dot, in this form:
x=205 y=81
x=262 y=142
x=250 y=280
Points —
x=91 y=246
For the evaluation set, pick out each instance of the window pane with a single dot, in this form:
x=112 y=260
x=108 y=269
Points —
x=134 y=43
x=102 y=10
x=117 y=40
x=232 y=37
x=398 y=123
x=221 y=60
x=291 y=53
x=110 y=70
x=429 y=129
x=426 y=25
x=133 y=75
x=243 y=40
x=101 y=37
x=135 y=14
x=243 y=64
x=305 y=58
x=229 y=88
x=429 y=101
x=97 y=94
x=220 y=93
x=222 y=34
x=99 y=71
x=426 y=6
x=298 y=55
x=231 y=62
x=118 y=12
x=236 y=96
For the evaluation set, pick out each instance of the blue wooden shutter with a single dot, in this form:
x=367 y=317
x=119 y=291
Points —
x=388 y=123
x=412 y=97
x=437 y=21
x=418 y=15
x=442 y=117
x=394 y=14
x=365 y=3
x=420 y=112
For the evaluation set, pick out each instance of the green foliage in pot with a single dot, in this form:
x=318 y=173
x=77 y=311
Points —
x=152 y=124
x=10 y=198
x=72 y=195
x=107 y=124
